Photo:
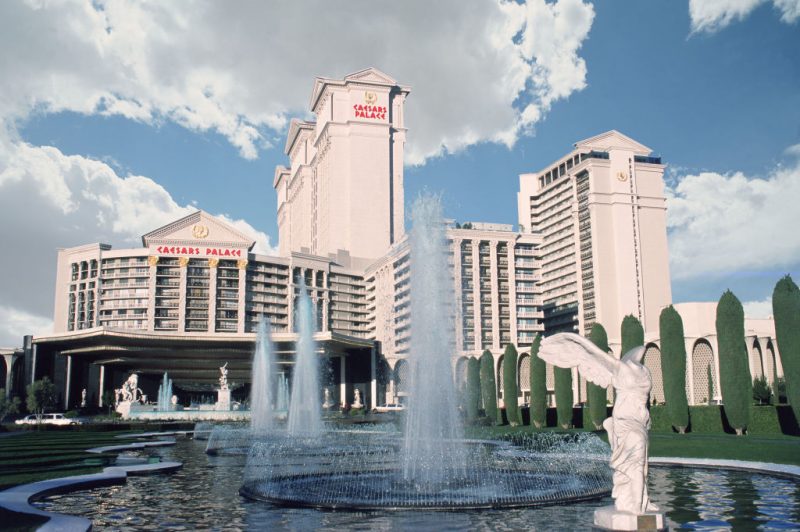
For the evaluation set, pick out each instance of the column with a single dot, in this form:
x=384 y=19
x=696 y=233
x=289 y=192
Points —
x=183 y=262
x=152 y=261
x=373 y=399
x=458 y=311
x=68 y=382
x=9 y=362
x=212 y=294
x=495 y=294
x=342 y=383
x=102 y=385
x=33 y=362
x=512 y=291
x=240 y=324
x=476 y=295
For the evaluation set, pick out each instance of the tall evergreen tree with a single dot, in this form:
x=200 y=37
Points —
x=673 y=367
x=632 y=334
x=564 y=400
x=473 y=388
x=786 y=312
x=538 y=383
x=596 y=395
x=488 y=386
x=734 y=367
x=510 y=394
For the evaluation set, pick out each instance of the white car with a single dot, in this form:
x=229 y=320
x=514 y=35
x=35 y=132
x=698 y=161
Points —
x=390 y=408
x=47 y=419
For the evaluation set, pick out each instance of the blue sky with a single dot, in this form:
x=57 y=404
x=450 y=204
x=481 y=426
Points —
x=715 y=93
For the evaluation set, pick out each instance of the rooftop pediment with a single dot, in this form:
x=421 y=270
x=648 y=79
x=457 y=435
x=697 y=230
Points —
x=613 y=140
x=200 y=229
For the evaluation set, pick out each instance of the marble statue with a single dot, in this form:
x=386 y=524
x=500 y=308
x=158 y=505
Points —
x=223 y=378
x=130 y=391
x=357 y=399
x=628 y=425
x=83 y=398
x=326 y=404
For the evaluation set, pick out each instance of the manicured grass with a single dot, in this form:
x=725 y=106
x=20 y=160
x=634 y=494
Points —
x=774 y=448
x=40 y=455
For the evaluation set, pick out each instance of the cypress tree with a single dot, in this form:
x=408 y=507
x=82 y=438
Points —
x=473 y=388
x=510 y=394
x=563 y=378
x=734 y=368
x=673 y=367
x=596 y=395
x=632 y=334
x=538 y=382
x=488 y=386
x=786 y=312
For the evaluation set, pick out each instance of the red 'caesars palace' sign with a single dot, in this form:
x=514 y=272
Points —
x=203 y=252
x=370 y=111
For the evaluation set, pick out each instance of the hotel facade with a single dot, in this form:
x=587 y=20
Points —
x=591 y=247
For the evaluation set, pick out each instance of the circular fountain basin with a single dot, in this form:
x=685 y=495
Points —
x=368 y=474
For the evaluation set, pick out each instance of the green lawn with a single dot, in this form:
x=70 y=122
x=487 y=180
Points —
x=777 y=448
x=40 y=455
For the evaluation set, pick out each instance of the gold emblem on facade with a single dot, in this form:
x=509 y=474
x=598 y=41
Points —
x=370 y=98
x=241 y=264
x=152 y=260
x=212 y=263
x=622 y=176
x=183 y=261
x=199 y=231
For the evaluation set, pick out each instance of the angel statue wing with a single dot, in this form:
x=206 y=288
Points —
x=568 y=350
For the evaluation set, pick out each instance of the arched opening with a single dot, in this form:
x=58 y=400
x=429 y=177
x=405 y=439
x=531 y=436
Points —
x=523 y=378
x=652 y=361
x=499 y=377
x=401 y=378
x=550 y=384
x=770 y=367
x=461 y=374
x=704 y=378
x=756 y=360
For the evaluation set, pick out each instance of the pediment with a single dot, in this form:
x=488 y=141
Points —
x=613 y=140
x=371 y=75
x=200 y=229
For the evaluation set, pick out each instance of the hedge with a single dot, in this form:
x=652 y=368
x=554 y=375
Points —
x=596 y=395
x=510 y=393
x=632 y=334
x=564 y=400
x=538 y=382
x=734 y=366
x=488 y=386
x=786 y=310
x=473 y=388
x=711 y=419
x=673 y=367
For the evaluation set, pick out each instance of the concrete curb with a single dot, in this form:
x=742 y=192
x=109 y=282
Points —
x=783 y=470
x=19 y=498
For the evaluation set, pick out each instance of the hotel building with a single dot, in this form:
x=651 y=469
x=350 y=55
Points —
x=190 y=298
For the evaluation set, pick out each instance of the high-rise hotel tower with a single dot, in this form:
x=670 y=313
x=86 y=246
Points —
x=601 y=212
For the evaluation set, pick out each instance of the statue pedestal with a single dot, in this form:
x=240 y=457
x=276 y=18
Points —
x=223 y=400
x=124 y=409
x=610 y=518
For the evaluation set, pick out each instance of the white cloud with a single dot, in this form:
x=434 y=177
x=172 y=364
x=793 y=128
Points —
x=726 y=223
x=758 y=309
x=713 y=15
x=242 y=71
x=14 y=324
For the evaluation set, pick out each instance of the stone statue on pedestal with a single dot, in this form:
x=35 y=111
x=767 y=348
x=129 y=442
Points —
x=627 y=427
x=326 y=404
x=357 y=399
x=223 y=378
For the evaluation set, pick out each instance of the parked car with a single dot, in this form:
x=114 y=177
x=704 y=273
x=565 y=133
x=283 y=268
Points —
x=392 y=407
x=47 y=419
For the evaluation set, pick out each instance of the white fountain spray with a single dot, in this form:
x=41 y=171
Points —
x=261 y=412
x=165 y=394
x=433 y=448
x=305 y=418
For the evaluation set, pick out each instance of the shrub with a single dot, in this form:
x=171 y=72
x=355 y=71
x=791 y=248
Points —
x=779 y=392
x=734 y=367
x=632 y=334
x=8 y=406
x=761 y=390
x=41 y=395
x=488 y=386
x=563 y=381
x=473 y=388
x=538 y=382
x=510 y=394
x=673 y=367
x=596 y=395
x=786 y=312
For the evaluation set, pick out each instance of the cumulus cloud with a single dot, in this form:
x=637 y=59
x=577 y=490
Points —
x=14 y=321
x=713 y=15
x=733 y=222
x=758 y=309
x=487 y=73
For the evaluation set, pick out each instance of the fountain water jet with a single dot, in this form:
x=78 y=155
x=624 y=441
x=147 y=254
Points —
x=165 y=394
x=261 y=412
x=305 y=418
x=433 y=450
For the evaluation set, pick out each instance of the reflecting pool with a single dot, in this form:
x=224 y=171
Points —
x=205 y=494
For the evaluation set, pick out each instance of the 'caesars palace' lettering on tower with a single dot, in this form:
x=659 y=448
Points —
x=369 y=110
